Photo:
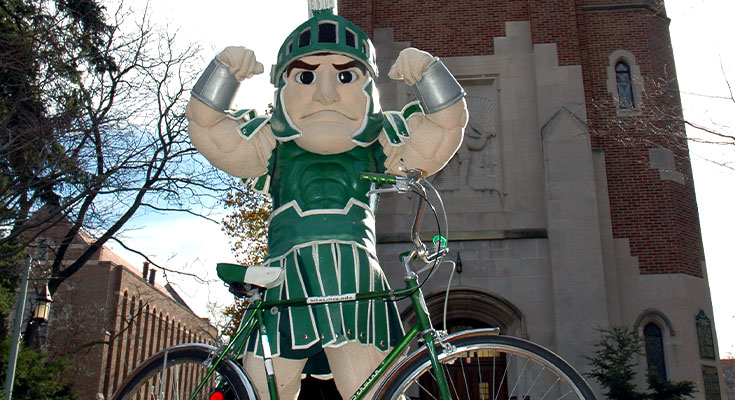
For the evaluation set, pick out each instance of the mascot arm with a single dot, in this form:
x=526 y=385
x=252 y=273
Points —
x=229 y=151
x=434 y=140
x=436 y=134
x=213 y=132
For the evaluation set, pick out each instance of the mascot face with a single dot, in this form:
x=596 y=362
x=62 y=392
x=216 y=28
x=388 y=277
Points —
x=324 y=98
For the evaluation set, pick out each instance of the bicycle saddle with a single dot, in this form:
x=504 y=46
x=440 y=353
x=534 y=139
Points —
x=265 y=277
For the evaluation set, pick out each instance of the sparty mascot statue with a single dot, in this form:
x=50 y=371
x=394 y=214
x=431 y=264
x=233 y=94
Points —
x=327 y=126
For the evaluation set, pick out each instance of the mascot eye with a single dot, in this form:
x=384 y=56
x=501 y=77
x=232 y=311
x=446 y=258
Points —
x=347 y=76
x=305 y=77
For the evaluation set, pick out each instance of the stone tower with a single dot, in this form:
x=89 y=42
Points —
x=571 y=201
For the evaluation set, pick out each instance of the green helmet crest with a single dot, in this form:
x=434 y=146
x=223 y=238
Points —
x=325 y=32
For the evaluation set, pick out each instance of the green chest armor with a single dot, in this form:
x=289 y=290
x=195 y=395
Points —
x=319 y=198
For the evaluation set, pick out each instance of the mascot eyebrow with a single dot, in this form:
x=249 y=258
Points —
x=311 y=67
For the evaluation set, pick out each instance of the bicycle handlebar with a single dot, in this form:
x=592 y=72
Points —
x=404 y=184
x=378 y=178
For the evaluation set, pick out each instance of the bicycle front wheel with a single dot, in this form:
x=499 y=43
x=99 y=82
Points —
x=175 y=372
x=481 y=365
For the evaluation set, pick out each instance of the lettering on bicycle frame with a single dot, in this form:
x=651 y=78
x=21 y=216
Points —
x=331 y=299
x=365 y=384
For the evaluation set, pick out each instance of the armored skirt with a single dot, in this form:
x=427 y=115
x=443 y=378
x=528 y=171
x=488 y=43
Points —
x=325 y=269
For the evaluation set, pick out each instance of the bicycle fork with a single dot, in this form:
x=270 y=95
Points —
x=428 y=334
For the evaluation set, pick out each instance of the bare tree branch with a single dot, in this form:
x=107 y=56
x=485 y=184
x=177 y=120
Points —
x=180 y=210
x=162 y=268
x=93 y=131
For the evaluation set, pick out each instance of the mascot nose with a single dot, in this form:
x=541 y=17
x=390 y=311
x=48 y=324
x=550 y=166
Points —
x=326 y=91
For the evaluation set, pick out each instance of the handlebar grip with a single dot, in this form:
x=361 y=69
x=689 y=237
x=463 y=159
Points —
x=378 y=178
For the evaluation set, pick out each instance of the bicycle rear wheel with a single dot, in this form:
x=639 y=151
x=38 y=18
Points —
x=175 y=372
x=480 y=365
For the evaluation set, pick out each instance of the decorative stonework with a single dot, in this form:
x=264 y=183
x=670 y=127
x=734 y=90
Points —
x=636 y=82
x=662 y=159
x=654 y=315
x=711 y=383
x=475 y=173
x=704 y=335
x=477 y=166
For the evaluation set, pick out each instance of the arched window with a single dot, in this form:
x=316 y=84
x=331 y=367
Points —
x=655 y=348
x=625 y=85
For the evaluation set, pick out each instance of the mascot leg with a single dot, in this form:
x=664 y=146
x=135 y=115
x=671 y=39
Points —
x=349 y=374
x=288 y=375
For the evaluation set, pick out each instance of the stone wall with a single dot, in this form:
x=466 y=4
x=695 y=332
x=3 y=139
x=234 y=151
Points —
x=569 y=211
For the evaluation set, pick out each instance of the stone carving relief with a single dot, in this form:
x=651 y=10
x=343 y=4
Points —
x=473 y=181
x=475 y=172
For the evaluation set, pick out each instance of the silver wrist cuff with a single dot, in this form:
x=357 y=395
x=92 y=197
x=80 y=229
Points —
x=216 y=87
x=437 y=88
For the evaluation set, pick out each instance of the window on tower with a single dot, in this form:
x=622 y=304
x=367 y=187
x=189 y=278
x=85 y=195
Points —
x=625 y=83
x=625 y=86
x=653 y=337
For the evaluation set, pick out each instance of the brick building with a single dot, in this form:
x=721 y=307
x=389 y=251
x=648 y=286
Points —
x=728 y=376
x=571 y=202
x=109 y=317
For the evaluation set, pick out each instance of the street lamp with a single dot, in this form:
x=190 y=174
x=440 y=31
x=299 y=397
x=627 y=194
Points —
x=15 y=345
x=43 y=306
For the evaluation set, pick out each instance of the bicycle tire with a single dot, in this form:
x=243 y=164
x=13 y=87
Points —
x=185 y=367
x=513 y=369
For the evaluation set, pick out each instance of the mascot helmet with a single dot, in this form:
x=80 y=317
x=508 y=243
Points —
x=325 y=32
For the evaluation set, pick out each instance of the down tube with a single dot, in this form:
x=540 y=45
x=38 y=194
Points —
x=424 y=323
x=387 y=362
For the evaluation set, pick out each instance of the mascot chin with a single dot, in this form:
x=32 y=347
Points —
x=326 y=128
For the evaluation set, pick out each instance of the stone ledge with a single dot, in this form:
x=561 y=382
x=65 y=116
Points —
x=540 y=233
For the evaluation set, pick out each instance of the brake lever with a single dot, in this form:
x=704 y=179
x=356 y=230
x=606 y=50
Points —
x=402 y=185
x=441 y=253
x=383 y=190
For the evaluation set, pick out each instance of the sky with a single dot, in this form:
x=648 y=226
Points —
x=701 y=31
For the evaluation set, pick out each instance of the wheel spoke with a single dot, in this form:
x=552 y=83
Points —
x=494 y=360
x=174 y=374
x=520 y=376
x=508 y=362
x=451 y=382
x=479 y=376
x=466 y=383
x=163 y=375
x=530 y=388
x=519 y=369
x=176 y=384
x=550 y=388
x=565 y=395
x=426 y=391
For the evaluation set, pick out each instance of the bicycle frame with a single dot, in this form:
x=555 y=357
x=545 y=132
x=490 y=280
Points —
x=422 y=327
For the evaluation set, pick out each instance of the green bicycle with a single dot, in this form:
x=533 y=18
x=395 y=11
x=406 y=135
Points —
x=472 y=364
